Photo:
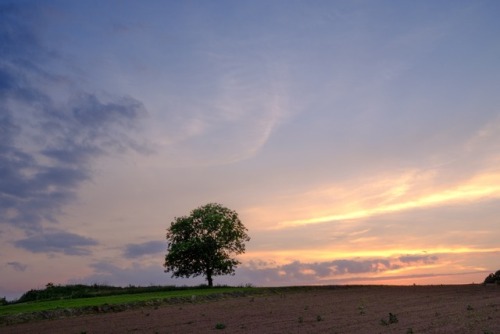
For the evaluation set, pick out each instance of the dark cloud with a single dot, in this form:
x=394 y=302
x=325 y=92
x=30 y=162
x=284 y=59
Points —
x=50 y=130
x=297 y=272
x=301 y=270
x=137 y=274
x=427 y=259
x=146 y=248
x=57 y=242
x=17 y=266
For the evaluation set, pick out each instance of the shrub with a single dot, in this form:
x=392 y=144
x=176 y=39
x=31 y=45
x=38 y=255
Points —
x=220 y=326
x=392 y=320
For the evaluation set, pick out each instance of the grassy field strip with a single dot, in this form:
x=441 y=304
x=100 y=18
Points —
x=110 y=300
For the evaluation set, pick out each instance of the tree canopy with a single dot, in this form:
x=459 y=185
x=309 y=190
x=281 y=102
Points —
x=205 y=242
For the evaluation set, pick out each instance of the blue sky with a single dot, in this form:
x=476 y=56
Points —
x=357 y=140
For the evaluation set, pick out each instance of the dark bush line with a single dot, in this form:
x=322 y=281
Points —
x=111 y=308
x=55 y=292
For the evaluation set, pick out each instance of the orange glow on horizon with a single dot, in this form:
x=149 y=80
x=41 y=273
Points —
x=441 y=278
x=449 y=269
x=287 y=256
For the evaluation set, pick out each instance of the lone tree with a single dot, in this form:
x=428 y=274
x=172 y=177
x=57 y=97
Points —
x=203 y=243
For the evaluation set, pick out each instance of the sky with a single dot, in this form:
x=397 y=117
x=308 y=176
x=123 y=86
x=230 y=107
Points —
x=359 y=141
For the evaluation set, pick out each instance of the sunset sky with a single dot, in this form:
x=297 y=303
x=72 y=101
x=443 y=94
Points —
x=359 y=141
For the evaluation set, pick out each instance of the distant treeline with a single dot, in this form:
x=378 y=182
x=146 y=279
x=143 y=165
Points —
x=493 y=278
x=54 y=292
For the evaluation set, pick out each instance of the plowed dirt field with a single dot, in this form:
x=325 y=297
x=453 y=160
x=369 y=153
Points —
x=356 y=309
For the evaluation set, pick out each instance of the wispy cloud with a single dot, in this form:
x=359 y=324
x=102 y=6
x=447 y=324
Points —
x=230 y=128
x=17 y=266
x=237 y=99
x=57 y=242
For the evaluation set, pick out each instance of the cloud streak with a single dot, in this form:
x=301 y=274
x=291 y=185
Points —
x=385 y=195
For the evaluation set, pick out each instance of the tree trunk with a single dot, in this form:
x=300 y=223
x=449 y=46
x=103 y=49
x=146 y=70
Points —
x=208 y=273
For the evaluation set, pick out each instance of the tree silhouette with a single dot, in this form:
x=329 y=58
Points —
x=493 y=278
x=204 y=242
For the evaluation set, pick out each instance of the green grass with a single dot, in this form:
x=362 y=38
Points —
x=112 y=300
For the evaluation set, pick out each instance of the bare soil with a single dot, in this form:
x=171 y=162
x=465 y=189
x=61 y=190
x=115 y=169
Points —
x=341 y=309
